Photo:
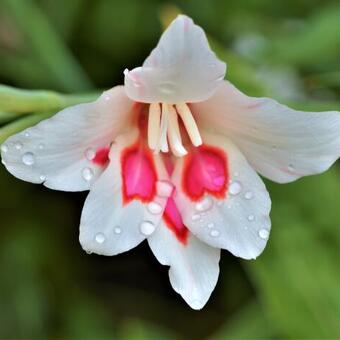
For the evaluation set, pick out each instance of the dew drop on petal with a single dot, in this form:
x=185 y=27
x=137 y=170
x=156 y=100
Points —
x=195 y=217
x=42 y=177
x=147 y=228
x=41 y=146
x=291 y=167
x=205 y=204
x=4 y=148
x=251 y=218
x=155 y=208
x=164 y=188
x=117 y=230
x=100 y=238
x=214 y=233
x=18 y=145
x=248 y=195
x=28 y=158
x=263 y=233
x=167 y=87
x=235 y=188
x=27 y=134
x=211 y=225
x=90 y=154
x=87 y=174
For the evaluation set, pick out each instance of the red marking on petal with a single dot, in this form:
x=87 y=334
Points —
x=174 y=222
x=139 y=175
x=205 y=171
x=102 y=156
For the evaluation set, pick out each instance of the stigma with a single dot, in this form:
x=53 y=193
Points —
x=164 y=132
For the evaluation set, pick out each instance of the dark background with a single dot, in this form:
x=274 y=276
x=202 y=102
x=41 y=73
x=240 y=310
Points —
x=49 y=287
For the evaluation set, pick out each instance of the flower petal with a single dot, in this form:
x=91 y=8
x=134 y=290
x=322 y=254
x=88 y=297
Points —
x=124 y=205
x=182 y=68
x=193 y=266
x=236 y=220
x=69 y=151
x=280 y=143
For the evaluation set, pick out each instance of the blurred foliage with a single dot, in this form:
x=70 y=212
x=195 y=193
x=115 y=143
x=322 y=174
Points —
x=50 y=288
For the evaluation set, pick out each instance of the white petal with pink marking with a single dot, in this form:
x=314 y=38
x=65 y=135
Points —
x=239 y=222
x=182 y=68
x=109 y=225
x=194 y=266
x=280 y=143
x=60 y=152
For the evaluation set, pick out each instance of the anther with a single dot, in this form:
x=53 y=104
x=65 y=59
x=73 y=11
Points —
x=189 y=123
x=174 y=135
x=154 y=125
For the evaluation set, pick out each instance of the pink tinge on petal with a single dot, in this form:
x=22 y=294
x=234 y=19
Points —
x=139 y=175
x=205 y=171
x=102 y=156
x=174 y=222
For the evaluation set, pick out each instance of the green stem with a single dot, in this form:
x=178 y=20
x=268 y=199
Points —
x=28 y=101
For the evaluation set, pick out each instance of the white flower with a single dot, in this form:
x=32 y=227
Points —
x=172 y=157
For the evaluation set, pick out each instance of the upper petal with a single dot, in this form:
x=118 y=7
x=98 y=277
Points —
x=124 y=205
x=280 y=143
x=231 y=208
x=182 y=68
x=68 y=151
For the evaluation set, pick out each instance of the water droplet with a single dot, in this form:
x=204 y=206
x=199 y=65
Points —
x=147 y=228
x=4 y=148
x=291 y=167
x=28 y=158
x=195 y=217
x=107 y=98
x=42 y=177
x=90 y=154
x=248 y=195
x=117 y=230
x=235 y=188
x=211 y=225
x=88 y=252
x=251 y=218
x=205 y=204
x=164 y=188
x=155 y=208
x=27 y=134
x=264 y=233
x=214 y=233
x=100 y=238
x=41 y=146
x=219 y=180
x=87 y=174
x=18 y=145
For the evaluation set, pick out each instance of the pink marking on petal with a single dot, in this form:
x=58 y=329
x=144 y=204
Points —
x=205 y=171
x=102 y=156
x=174 y=222
x=139 y=175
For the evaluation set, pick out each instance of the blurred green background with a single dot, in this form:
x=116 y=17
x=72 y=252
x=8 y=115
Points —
x=49 y=287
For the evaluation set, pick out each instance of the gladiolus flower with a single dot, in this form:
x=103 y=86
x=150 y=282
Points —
x=173 y=157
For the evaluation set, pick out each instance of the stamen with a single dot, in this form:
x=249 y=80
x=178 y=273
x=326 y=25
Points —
x=154 y=125
x=174 y=135
x=163 y=142
x=189 y=123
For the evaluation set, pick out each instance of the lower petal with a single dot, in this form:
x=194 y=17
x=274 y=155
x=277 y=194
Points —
x=194 y=266
x=236 y=219
x=116 y=216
